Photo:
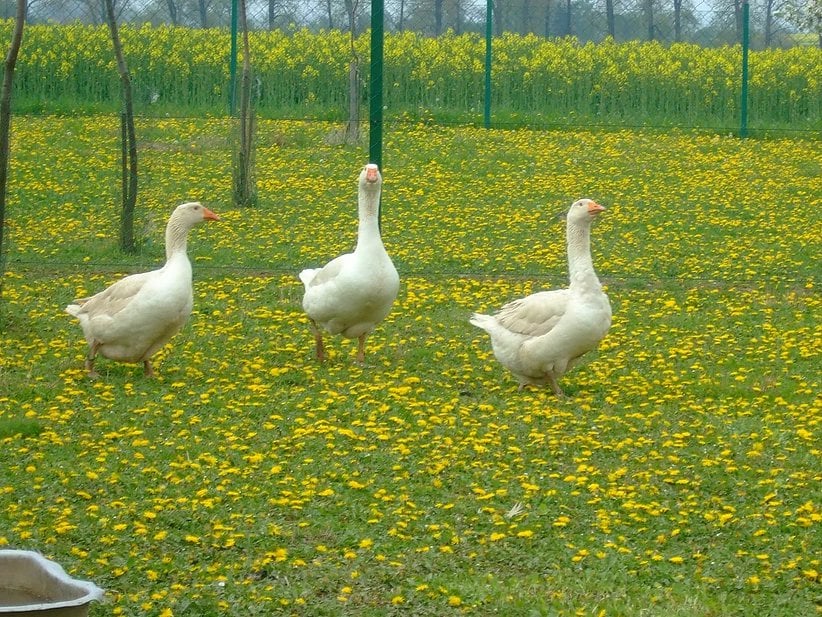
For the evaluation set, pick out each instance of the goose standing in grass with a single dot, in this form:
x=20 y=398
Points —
x=354 y=292
x=136 y=316
x=540 y=337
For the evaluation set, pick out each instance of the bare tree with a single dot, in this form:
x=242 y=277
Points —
x=677 y=20
x=459 y=16
x=738 y=18
x=648 y=10
x=438 y=17
x=172 y=12
x=547 y=25
x=245 y=190
x=129 y=138
x=769 y=15
x=611 y=19
x=525 y=17
x=499 y=19
x=5 y=120
x=272 y=14
x=352 y=128
x=96 y=11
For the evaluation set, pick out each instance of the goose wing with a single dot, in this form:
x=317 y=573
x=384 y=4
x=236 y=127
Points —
x=328 y=272
x=536 y=314
x=114 y=298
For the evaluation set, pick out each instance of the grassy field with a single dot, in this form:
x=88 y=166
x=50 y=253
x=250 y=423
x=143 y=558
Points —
x=681 y=477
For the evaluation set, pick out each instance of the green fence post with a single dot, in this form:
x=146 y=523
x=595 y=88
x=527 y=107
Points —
x=489 y=24
x=743 y=102
x=232 y=62
x=375 y=109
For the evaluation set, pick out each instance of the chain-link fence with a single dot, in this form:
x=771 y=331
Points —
x=554 y=63
x=774 y=23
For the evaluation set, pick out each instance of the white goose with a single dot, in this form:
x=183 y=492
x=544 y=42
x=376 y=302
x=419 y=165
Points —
x=354 y=292
x=540 y=337
x=133 y=318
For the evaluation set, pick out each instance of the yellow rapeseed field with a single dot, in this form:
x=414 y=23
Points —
x=535 y=81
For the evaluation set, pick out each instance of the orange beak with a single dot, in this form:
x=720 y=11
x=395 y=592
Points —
x=371 y=172
x=595 y=208
x=209 y=215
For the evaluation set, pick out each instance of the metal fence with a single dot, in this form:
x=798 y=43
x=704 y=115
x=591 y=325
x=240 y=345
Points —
x=774 y=23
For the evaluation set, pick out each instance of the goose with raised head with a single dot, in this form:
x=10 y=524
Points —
x=136 y=316
x=541 y=336
x=354 y=292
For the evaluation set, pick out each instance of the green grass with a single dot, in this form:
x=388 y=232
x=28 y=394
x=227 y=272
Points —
x=20 y=428
x=680 y=478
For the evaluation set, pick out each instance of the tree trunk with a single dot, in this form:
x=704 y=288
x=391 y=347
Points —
x=547 y=18
x=330 y=14
x=738 y=19
x=201 y=5
x=499 y=21
x=678 y=20
x=525 y=17
x=129 y=165
x=5 y=122
x=649 y=18
x=245 y=193
x=352 y=128
x=611 y=19
x=438 y=17
x=768 y=22
x=172 y=11
x=568 y=18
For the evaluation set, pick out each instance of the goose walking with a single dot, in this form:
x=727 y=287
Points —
x=354 y=292
x=136 y=316
x=541 y=336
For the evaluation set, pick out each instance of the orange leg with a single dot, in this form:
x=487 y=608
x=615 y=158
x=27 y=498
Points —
x=555 y=386
x=361 y=349
x=148 y=370
x=92 y=354
x=318 y=341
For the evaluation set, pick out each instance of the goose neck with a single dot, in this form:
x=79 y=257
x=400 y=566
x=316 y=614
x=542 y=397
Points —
x=369 y=212
x=176 y=239
x=579 y=251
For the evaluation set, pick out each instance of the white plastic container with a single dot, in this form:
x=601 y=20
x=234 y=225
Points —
x=33 y=586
